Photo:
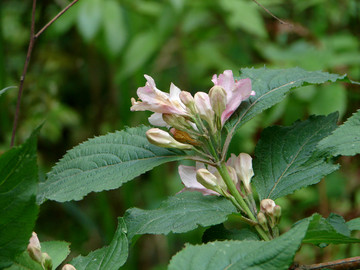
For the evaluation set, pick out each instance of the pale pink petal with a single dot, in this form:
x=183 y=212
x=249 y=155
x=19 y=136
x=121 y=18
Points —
x=203 y=105
x=154 y=100
x=236 y=92
x=188 y=177
x=226 y=80
x=156 y=120
x=241 y=92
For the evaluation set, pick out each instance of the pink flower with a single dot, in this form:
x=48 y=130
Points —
x=153 y=99
x=236 y=92
x=188 y=177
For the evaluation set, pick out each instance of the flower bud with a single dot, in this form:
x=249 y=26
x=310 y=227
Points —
x=186 y=98
x=217 y=96
x=232 y=174
x=262 y=221
x=68 y=267
x=202 y=103
x=34 y=248
x=206 y=178
x=176 y=121
x=267 y=206
x=183 y=137
x=244 y=169
x=161 y=138
x=277 y=212
x=47 y=261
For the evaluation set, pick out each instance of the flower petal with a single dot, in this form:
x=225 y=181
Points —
x=156 y=119
x=188 y=177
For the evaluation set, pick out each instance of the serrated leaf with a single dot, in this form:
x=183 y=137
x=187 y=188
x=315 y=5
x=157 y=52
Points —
x=271 y=86
x=345 y=140
x=338 y=223
x=242 y=255
x=180 y=213
x=104 y=163
x=114 y=27
x=57 y=250
x=321 y=231
x=18 y=208
x=219 y=232
x=285 y=160
x=111 y=257
x=354 y=224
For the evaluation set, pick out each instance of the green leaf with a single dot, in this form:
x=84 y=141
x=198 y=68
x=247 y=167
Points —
x=244 y=15
x=345 y=140
x=242 y=255
x=114 y=27
x=321 y=231
x=111 y=257
x=2 y=91
x=136 y=53
x=104 y=163
x=18 y=208
x=180 y=213
x=57 y=250
x=328 y=99
x=354 y=224
x=338 y=223
x=219 y=232
x=271 y=86
x=285 y=159
x=89 y=18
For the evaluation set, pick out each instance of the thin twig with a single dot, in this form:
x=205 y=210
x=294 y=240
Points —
x=271 y=14
x=344 y=264
x=33 y=38
x=55 y=18
x=22 y=79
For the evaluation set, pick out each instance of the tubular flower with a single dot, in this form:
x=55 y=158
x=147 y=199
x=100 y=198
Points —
x=236 y=92
x=153 y=99
x=243 y=168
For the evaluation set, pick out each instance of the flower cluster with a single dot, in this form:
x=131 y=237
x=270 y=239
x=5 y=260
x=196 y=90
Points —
x=193 y=118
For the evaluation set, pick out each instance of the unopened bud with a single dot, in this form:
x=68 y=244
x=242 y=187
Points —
x=186 y=98
x=47 y=261
x=206 y=178
x=202 y=103
x=277 y=212
x=262 y=221
x=68 y=267
x=217 y=96
x=267 y=206
x=183 y=137
x=244 y=169
x=176 y=121
x=232 y=174
x=161 y=138
x=34 y=248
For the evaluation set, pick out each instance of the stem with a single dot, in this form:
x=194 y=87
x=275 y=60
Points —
x=349 y=263
x=271 y=14
x=33 y=37
x=232 y=188
x=55 y=18
x=22 y=78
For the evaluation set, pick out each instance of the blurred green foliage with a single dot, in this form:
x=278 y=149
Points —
x=89 y=63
